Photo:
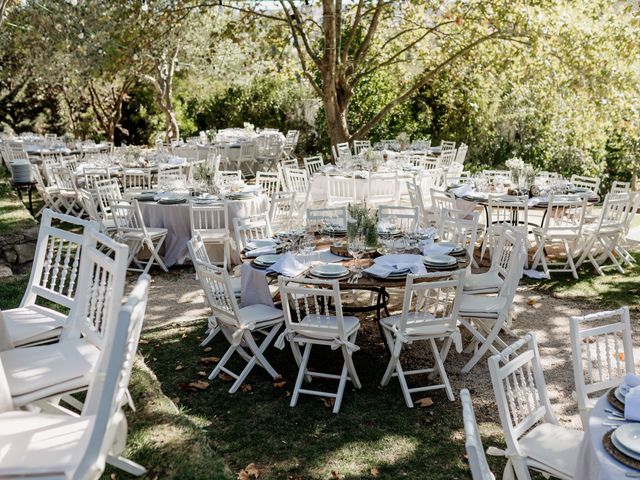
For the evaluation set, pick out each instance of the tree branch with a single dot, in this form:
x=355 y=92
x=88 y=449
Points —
x=373 y=27
x=364 y=129
x=298 y=27
x=352 y=32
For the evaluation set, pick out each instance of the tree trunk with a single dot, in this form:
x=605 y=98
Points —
x=336 y=119
x=173 y=130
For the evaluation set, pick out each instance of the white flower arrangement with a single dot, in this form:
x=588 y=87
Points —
x=515 y=163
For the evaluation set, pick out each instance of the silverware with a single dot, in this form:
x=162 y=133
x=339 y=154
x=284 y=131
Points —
x=615 y=425
x=632 y=475
x=615 y=413
x=616 y=418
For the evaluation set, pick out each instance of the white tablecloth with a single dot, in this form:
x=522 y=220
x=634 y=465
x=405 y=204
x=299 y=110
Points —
x=318 y=187
x=175 y=218
x=594 y=463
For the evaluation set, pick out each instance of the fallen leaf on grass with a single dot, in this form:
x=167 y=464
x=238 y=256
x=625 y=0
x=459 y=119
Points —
x=246 y=387
x=179 y=367
x=199 y=385
x=424 y=402
x=209 y=360
x=208 y=349
x=329 y=403
x=279 y=383
x=248 y=472
x=143 y=342
x=620 y=356
x=225 y=377
x=374 y=472
x=287 y=394
x=184 y=335
x=532 y=302
x=335 y=476
x=175 y=400
x=202 y=374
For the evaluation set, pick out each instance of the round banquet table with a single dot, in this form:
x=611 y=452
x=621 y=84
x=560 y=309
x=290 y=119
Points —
x=175 y=218
x=594 y=463
x=319 y=186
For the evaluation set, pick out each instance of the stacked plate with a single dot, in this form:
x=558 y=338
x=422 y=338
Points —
x=171 y=201
x=441 y=262
x=265 y=261
x=626 y=438
x=457 y=249
x=621 y=392
x=21 y=170
x=329 y=270
x=239 y=195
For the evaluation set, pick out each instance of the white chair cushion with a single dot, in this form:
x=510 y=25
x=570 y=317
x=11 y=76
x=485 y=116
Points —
x=556 y=233
x=483 y=305
x=554 y=446
x=36 y=368
x=417 y=325
x=41 y=443
x=259 y=313
x=483 y=281
x=208 y=236
x=32 y=323
x=329 y=323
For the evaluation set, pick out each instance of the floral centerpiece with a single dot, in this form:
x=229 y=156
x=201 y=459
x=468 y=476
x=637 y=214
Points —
x=205 y=175
x=403 y=139
x=373 y=159
x=363 y=222
x=516 y=166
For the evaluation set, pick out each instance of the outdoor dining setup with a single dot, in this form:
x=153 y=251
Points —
x=300 y=254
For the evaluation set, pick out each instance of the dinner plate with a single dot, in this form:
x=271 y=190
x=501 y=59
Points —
x=440 y=260
x=627 y=439
x=621 y=392
x=267 y=259
x=329 y=270
x=262 y=242
x=456 y=247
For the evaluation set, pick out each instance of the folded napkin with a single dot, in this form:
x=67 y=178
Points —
x=533 y=201
x=632 y=405
x=632 y=380
x=384 y=270
x=256 y=252
x=465 y=189
x=427 y=247
x=254 y=288
x=263 y=242
x=287 y=266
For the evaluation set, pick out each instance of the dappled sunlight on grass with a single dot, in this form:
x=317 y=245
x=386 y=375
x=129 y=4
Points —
x=356 y=458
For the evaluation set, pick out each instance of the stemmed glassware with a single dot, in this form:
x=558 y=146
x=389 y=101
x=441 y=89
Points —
x=355 y=247
x=308 y=246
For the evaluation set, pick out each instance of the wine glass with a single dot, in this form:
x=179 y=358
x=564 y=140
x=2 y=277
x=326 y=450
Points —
x=355 y=247
x=308 y=246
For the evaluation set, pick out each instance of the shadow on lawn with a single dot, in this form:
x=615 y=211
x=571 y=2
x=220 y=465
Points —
x=374 y=428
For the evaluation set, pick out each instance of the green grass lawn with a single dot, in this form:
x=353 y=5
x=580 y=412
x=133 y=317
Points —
x=13 y=216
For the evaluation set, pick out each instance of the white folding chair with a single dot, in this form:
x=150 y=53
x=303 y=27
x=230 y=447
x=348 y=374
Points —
x=253 y=227
x=136 y=179
x=341 y=191
x=504 y=253
x=169 y=175
x=632 y=208
x=429 y=313
x=131 y=230
x=459 y=226
x=359 y=146
x=238 y=324
x=602 y=354
x=45 y=371
x=270 y=182
x=282 y=210
x=54 y=278
x=417 y=201
x=503 y=211
x=446 y=159
x=620 y=187
x=336 y=216
x=484 y=316
x=440 y=200
x=605 y=235
x=246 y=162
x=447 y=145
x=473 y=442
x=343 y=150
x=296 y=180
x=55 y=446
x=313 y=164
x=228 y=176
x=107 y=192
x=533 y=436
x=198 y=254
x=382 y=188
x=562 y=226
x=211 y=224
x=461 y=154
x=406 y=218
x=308 y=321
x=590 y=183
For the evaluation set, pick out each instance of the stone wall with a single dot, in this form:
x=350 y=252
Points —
x=17 y=250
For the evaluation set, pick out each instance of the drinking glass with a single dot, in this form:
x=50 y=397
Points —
x=308 y=246
x=355 y=247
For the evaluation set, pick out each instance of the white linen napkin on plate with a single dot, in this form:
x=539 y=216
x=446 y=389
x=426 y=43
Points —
x=428 y=247
x=465 y=189
x=256 y=252
x=254 y=288
x=533 y=201
x=387 y=264
x=287 y=266
x=632 y=405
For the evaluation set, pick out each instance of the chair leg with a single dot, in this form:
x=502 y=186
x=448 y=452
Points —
x=301 y=374
x=485 y=342
x=441 y=370
x=343 y=381
x=403 y=384
x=225 y=358
x=126 y=465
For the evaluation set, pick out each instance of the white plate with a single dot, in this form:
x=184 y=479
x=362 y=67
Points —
x=440 y=260
x=629 y=436
x=620 y=395
x=621 y=448
x=267 y=259
x=455 y=247
x=329 y=270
